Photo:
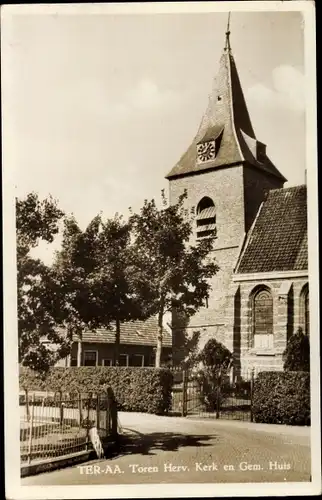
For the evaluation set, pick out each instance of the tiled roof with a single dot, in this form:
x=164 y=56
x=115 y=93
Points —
x=278 y=239
x=226 y=112
x=133 y=332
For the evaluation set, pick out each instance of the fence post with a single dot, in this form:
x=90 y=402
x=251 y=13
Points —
x=251 y=395
x=90 y=395
x=97 y=411
x=112 y=405
x=80 y=409
x=218 y=396
x=184 y=392
x=109 y=412
x=27 y=405
x=31 y=428
x=61 y=408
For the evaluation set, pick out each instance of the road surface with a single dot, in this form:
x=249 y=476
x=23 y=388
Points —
x=177 y=450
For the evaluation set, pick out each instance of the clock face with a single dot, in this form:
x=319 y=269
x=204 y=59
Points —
x=206 y=151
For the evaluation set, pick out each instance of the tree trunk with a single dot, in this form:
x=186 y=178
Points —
x=160 y=336
x=117 y=342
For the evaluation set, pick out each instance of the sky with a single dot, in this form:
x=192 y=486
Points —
x=103 y=106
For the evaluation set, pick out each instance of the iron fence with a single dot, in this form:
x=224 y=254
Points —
x=225 y=399
x=57 y=424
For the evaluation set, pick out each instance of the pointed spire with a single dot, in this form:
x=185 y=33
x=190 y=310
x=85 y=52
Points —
x=227 y=122
x=227 y=45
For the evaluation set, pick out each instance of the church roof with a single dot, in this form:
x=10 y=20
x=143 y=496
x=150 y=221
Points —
x=277 y=240
x=132 y=332
x=226 y=116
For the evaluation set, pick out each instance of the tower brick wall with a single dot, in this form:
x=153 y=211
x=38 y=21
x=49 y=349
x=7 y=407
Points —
x=225 y=188
x=236 y=174
x=256 y=185
x=237 y=192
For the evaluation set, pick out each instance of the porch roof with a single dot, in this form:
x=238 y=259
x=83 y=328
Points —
x=133 y=332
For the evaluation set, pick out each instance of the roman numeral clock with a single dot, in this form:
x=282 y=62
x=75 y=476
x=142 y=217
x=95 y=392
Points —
x=206 y=151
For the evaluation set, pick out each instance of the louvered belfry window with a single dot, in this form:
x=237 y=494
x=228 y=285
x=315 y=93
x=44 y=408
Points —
x=206 y=218
x=263 y=319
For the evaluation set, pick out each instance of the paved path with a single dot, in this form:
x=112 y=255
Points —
x=177 y=450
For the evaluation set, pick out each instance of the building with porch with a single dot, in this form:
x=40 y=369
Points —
x=137 y=346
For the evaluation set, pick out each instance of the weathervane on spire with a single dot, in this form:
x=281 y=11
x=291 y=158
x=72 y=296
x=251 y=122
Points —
x=227 y=46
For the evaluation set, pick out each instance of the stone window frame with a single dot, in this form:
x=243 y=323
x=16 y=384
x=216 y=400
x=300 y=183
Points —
x=304 y=310
x=255 y=291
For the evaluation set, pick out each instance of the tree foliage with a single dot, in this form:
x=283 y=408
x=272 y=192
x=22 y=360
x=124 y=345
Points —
x=296 y=356
x=112 y=272
x=35 y=220
x=214 y=362
x=99 y=275
x=215 y=359
x=176 y=271
x=39 y=298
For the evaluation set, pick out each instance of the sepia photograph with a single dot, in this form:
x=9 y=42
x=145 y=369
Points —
x=160 y=229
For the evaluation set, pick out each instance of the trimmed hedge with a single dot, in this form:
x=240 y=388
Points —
x=145 y=390
x=282 y=398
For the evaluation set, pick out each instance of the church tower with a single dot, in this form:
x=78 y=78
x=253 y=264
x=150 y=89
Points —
x=226 y=173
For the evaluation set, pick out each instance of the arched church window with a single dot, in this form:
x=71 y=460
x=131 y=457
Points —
x=206 y=218
x=262 y=318
x=305 y=310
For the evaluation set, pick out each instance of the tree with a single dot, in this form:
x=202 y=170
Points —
x=73 y=266
x=102 y=282
x=176 y=272
x=296 y=356
x=38 y=292
x=121 y=293
x=214 y=361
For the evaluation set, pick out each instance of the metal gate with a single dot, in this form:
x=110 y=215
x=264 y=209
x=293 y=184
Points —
x=225 y=400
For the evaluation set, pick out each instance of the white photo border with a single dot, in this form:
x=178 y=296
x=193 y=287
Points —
x=11 y=386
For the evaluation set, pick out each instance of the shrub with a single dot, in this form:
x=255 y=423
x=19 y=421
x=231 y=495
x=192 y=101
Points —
x=215 y=358
x=215 y=361
x=297 y=353
x=135 y=389
x=282 y=398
